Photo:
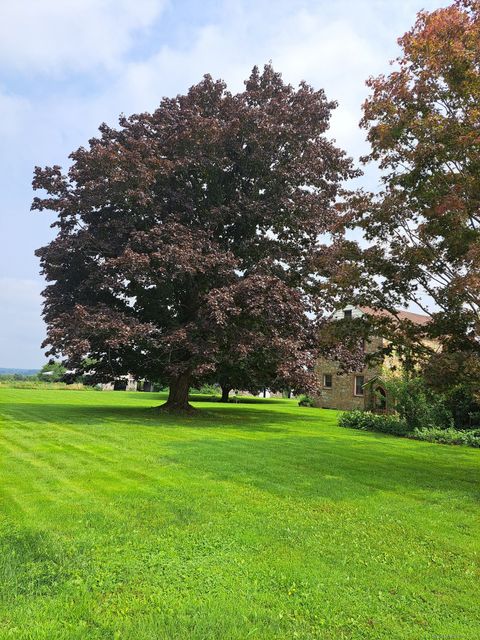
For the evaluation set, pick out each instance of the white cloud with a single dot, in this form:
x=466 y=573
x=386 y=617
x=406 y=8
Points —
x=336 y=46
x=71 y=35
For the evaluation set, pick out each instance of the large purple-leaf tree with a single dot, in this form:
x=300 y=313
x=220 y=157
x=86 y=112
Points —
x=176 y=229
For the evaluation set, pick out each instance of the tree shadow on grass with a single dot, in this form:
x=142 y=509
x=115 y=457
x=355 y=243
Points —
x=235 y=400
x=238 y=417
x=298 y=454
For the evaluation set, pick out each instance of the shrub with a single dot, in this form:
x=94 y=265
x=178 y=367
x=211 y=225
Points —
x=464 y=406
x=395 y=425
x=208 y=389
x=420 y=407
x=367 y=421
x=52 y=372
x=447 y=436
x=306 y=401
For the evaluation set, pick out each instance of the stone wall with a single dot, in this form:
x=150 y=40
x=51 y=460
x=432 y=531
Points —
x=342 y=393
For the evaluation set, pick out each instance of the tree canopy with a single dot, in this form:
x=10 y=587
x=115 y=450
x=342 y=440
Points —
x=52 y=372
x=423 y=228
x=190 y=238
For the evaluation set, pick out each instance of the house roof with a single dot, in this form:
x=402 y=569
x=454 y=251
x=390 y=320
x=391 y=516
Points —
x=377 y=378
x=415 y=318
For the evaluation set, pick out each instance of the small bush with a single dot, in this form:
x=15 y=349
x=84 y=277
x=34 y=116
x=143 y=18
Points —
x=419 y=406
x=306 y=401
x=208 y=390
x=464 y=406
x=447 y=436
x=395 y=425
x=367 y=421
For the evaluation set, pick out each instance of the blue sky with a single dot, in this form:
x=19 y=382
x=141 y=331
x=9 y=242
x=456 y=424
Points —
x=68 y=65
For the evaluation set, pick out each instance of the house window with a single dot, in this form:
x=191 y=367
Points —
x=359 y=382
x=347 y=313
x=327 y=380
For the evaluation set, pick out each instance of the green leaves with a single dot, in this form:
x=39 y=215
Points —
x=423 y=227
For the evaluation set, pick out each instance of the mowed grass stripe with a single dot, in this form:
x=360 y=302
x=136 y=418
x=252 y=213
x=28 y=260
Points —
x=261 y=521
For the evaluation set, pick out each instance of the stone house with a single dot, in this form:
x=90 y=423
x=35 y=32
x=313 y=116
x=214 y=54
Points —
x=362 y=389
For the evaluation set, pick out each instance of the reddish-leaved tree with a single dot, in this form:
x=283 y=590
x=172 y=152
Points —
x=423 y=228
x=172 y=228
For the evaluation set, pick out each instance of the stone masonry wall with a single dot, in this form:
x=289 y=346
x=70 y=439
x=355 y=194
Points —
x=342 y=394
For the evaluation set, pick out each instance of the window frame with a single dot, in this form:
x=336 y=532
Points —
x=358 y=395
x=326 y=386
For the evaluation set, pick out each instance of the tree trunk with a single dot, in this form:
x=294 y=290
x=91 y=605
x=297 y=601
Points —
x=177 y=401
x=225 y=392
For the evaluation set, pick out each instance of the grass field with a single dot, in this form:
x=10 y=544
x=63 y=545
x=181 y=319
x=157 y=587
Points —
x=258 y=520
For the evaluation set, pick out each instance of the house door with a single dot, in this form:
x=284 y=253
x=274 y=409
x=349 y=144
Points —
x=380 y=399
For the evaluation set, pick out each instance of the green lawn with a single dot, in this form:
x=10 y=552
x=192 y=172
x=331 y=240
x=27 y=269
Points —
x=258 y=520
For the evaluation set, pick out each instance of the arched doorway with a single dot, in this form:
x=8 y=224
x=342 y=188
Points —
x=380 y=399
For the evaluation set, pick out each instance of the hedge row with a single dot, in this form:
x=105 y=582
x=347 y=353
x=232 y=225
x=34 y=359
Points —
x=366 y=421
x=393 y=424
x=448 y=436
